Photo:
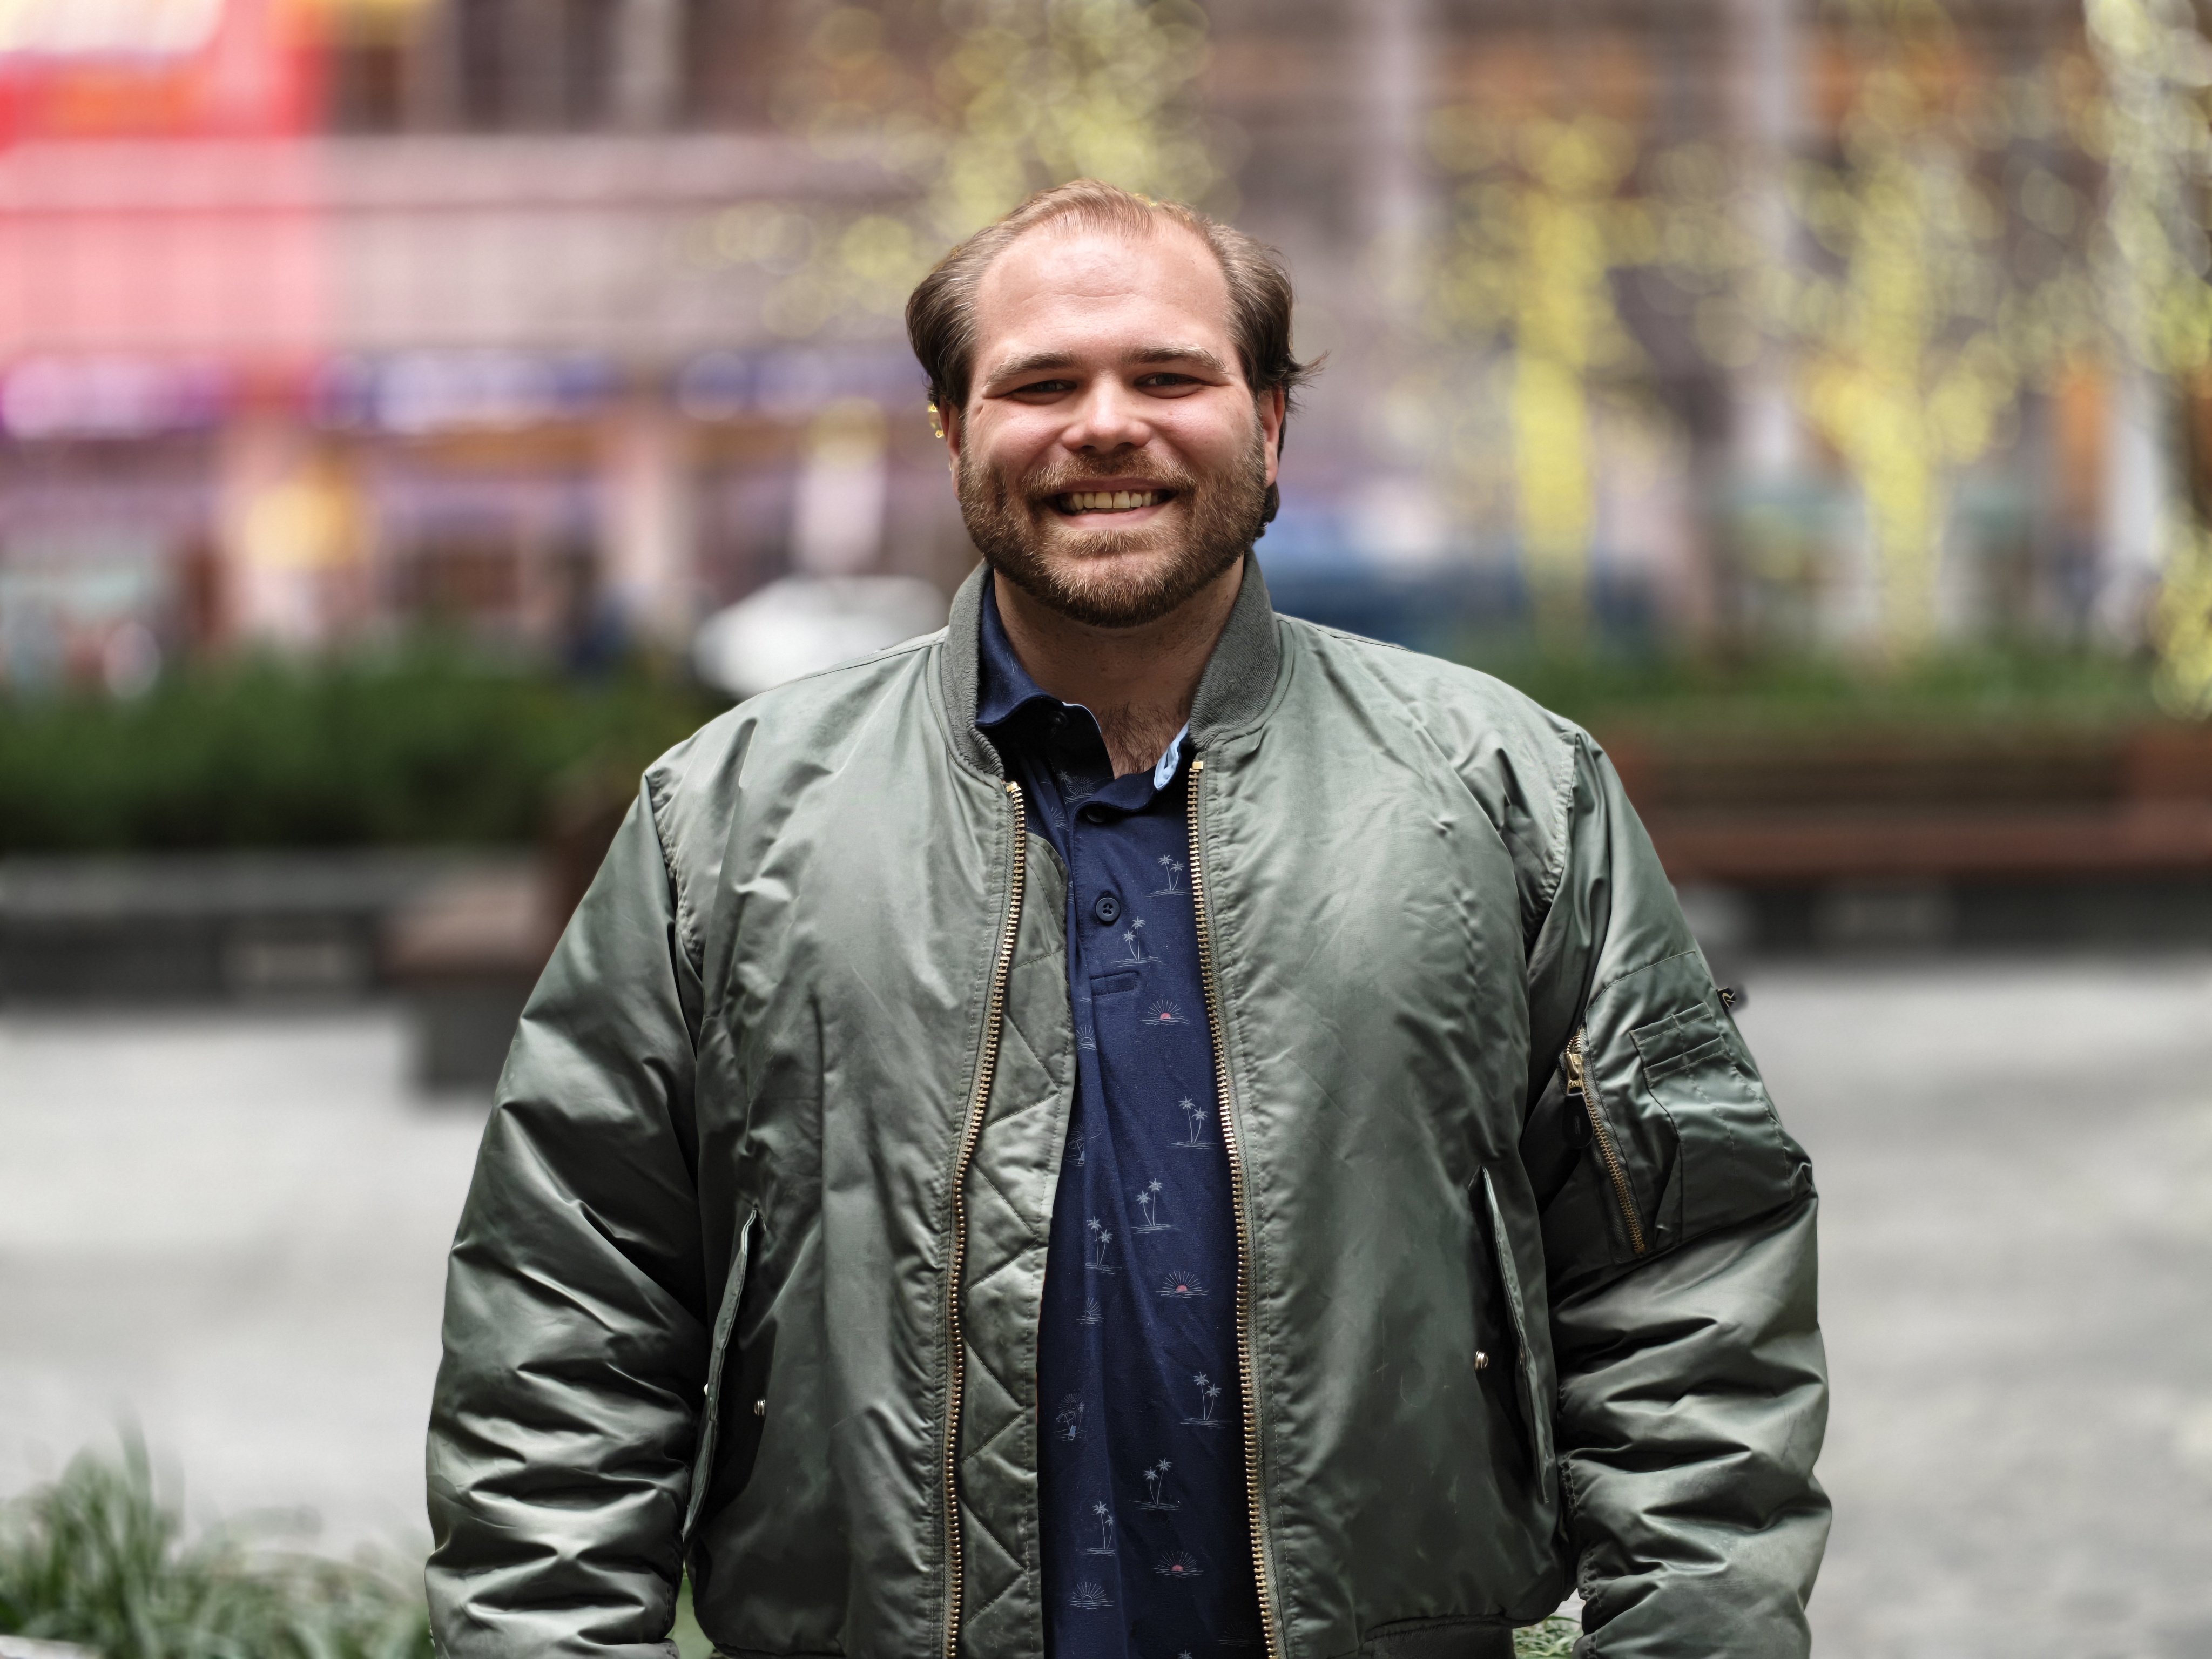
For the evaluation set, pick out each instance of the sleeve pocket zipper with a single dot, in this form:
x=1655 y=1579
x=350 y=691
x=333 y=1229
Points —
x=1579 y=1086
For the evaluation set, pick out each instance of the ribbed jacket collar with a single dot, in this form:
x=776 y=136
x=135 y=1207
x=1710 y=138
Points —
x=1235 y=688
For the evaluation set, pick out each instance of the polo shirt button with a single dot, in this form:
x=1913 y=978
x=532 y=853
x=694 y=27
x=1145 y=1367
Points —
x=1108 y=908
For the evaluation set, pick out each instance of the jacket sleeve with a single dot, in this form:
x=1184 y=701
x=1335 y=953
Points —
x=1680 y=1260
x=565 y=1410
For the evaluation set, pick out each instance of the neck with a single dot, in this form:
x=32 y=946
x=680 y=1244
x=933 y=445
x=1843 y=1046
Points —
x=1138 y=682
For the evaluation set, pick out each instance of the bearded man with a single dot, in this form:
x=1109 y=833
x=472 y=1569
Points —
x=1132 y=1125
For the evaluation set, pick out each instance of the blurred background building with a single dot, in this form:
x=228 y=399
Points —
x=317 y=320
x=569 y=321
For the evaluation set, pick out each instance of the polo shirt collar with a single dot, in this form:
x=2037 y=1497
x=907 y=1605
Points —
x=1004 y=689
x=1232 y=694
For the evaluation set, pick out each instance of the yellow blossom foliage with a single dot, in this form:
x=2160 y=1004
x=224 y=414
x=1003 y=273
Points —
x=967 y=112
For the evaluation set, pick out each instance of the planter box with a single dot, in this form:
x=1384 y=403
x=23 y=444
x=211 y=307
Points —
x=1989 y=836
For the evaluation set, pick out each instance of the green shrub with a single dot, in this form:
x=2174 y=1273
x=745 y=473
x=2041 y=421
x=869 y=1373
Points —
x=1973 y=686
x=415 y=746
x=430 y=744
x=1552 y=1639
x=96 y=1558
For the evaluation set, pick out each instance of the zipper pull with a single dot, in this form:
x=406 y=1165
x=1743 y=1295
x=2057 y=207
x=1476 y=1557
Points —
x=1576 y=1126
x=1578 y=1087
x=1573 y=1061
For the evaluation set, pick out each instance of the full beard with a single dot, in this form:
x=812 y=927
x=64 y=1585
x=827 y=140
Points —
x=1116 y=578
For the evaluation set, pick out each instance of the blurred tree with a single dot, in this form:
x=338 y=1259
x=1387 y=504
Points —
x=2149 y=128
x=1524 y=263
x=1901 y=325
x=1910 y=363
x=1953 y=267
x=1043 y=91
x=968 y=110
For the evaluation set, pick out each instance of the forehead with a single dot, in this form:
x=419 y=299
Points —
x=1073 y=287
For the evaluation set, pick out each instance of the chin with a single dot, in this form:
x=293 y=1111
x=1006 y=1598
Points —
x=1159 y=543
x=1104 y=569
x=1102 y=556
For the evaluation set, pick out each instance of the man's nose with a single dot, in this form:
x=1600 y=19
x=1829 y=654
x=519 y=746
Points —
x=1109 y=416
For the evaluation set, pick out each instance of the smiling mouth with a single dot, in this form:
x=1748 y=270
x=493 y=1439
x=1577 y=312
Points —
x=1076 y=501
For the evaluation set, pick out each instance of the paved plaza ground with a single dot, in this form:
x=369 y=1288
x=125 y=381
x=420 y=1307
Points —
x=230 y=1230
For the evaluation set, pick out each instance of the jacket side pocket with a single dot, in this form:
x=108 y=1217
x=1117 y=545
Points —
x=710 y=1416
x=1535 y=1391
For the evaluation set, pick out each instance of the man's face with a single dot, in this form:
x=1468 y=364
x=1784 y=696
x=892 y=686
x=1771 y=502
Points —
x=1110 y=461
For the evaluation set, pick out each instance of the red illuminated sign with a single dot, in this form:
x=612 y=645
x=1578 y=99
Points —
x=155 y=69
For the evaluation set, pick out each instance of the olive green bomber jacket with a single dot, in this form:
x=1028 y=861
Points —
x=749 y=1273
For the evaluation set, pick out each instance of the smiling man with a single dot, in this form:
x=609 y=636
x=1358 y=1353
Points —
x=1133 y=1126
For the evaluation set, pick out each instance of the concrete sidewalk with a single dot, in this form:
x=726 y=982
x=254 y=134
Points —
x=2015 y=1165
x=233 y=1227
x=230 y=1229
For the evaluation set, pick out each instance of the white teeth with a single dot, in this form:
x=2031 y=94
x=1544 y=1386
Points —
x=1112 y=501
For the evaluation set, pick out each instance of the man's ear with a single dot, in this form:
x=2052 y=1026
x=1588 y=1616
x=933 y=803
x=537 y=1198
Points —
x=1272 y=408
x=949 y=429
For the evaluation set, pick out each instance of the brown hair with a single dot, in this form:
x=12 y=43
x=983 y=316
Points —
x=941 y=312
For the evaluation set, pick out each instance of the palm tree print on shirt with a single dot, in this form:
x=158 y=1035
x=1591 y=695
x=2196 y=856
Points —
x=1100 y=1238
x=1208 y=1395
x=1148 y=1198
x=1194 y=1117
x=1171 y=883
x=1104 y=1517
x=1183 y=1287
x=1177 y=1564
x=1068 y=1420
x=1156 y=1476
x=1130 y=937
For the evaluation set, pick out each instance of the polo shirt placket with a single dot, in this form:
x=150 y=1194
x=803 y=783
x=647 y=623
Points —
x=1145 y=1545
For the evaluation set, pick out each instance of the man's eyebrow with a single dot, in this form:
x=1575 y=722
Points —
x=1031 y=364
x=1180 y=354
x=1038 y=361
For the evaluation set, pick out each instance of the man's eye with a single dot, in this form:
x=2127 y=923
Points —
x=1050 y=388
x=1167 y=382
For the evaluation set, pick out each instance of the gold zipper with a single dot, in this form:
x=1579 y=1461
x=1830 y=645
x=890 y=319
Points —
x=993 y=1025
x=1579 y=1085
x=1248 y=1373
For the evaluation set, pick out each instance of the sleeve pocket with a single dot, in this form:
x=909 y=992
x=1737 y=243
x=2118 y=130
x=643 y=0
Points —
x=1726 y=1157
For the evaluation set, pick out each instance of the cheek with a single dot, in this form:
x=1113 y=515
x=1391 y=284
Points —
x=1213 y=440
x=1016 y=448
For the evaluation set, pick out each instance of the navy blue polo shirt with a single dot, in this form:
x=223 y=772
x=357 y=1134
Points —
x=1146 y=1547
